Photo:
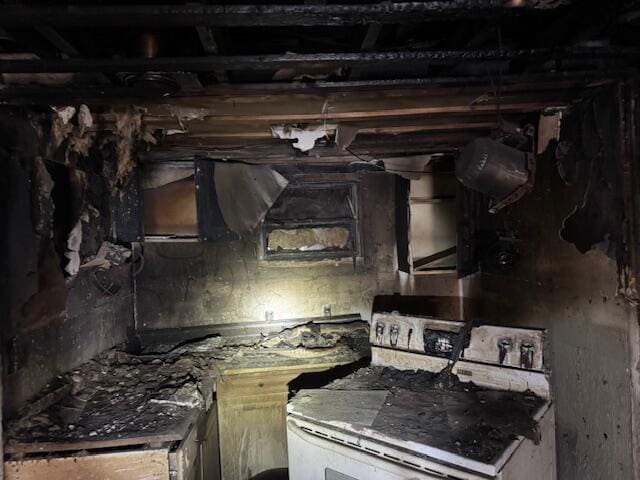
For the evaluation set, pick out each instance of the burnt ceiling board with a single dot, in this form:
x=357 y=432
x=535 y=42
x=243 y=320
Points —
x=588 y=55
x=262 y=14
x=182 y=48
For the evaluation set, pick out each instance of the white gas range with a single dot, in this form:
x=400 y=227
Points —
x=418 y=413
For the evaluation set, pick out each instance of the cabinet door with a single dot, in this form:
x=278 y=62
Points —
x=209 y=447
x=188 y=465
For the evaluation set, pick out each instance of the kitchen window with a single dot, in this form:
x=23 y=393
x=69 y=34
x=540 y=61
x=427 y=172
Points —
x=312 y=221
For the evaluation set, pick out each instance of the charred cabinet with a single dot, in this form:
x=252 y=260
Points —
x=194 y=457
x=180 y=203
x=436 y=221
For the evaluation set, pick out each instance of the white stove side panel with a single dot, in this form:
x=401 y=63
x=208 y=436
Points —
x=534 y=462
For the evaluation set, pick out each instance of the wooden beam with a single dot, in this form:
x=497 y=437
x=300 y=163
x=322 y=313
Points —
x=272 y=62
x=57 y=41
x=66 y=49
x=258 y=15
x=370 y=112
x=368 y=44
x=211 y=47
x=272 y=151
x=343 y=106
x=384 y=127
x=119 y=95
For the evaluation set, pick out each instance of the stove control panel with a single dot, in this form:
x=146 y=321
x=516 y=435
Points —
x=507 y=346
x=428 y=336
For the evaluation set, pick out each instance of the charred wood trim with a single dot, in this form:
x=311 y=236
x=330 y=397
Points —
x=57 y=40
x=368 y=44
x=211 y=225
x=269 y=62
x=127 y=211
x=423 y=262
x=211 y=47
x=257 y=15
x=370 y=147
x=401 y=211
x=92 y=94
x=244 y=329
x=525 y=105
x=253 y=132
x=66 y=48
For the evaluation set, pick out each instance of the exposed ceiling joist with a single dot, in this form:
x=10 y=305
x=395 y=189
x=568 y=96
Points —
x=211 y=47
x=368 y=147
x=58 y=41
x=260 y=15
x=96 y=94
x=269 y=62
x=368 y=44
x=318 y=109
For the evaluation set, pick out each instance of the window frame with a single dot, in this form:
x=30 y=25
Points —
x=352 y=223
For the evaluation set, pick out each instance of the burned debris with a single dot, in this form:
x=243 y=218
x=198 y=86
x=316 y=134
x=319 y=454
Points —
x=122 y=398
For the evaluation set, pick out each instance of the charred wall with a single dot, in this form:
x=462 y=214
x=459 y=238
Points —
x=570 y=278
x=55 y=316
x=226 y=282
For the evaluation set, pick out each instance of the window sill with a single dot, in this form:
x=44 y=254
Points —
x=443 y=273
x=307 y=263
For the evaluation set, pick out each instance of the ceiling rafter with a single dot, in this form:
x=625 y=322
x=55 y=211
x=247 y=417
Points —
x=261 y=15
x=267 y=62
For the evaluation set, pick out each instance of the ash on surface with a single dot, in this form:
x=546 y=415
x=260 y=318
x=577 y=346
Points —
x=445 y=413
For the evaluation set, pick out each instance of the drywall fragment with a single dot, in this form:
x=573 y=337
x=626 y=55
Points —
x=411 y=168
x=81 y=143
x=147 y=135
x=85 y=120
x=259 y=185
x=345 y=135
x=305 y=137
x=174 y=131
x=73 y=249
x=61 y=128
x=80 y=140
x=160 y=175
x=65 y=113
x=128 y=132
x=548 y=129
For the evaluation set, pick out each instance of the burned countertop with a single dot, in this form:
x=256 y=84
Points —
x=115 y=399
x=425 y=408
x=121 y=398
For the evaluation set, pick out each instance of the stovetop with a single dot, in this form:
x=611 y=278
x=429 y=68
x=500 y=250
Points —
x=424 y=408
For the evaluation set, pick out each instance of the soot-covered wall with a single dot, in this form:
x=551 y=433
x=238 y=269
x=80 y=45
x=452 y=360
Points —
x=51 y=320
x=577 y=296
x=225 y=282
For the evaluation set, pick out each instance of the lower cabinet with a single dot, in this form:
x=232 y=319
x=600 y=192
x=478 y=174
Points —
x=195 y=457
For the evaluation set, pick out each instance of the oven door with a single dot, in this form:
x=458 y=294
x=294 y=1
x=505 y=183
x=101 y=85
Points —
x=320 y=454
